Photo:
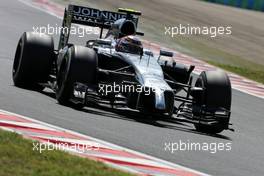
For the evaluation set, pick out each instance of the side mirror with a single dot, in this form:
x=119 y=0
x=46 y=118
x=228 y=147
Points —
x=140 y=33
x=148 y=53
x=166 y=53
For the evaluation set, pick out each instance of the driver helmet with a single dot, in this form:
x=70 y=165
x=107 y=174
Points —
x=129 y=44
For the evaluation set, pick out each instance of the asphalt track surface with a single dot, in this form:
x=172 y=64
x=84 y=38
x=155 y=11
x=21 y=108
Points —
x=126 y=129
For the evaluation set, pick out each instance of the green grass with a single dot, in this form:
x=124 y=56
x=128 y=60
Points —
x=226 y=61
x=257 y=75
x=17 y=158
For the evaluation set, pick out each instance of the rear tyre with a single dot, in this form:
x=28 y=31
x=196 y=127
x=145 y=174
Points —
x=217 y=93
x=33 y=60
x=78 y=65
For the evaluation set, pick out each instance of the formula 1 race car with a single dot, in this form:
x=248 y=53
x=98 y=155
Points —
x=116 y=70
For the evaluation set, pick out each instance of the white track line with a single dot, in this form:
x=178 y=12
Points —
x=111 y=145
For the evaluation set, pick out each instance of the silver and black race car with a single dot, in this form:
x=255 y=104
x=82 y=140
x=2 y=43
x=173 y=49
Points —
x=116 y=70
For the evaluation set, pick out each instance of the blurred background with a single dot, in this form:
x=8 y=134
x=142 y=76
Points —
x=246 y=4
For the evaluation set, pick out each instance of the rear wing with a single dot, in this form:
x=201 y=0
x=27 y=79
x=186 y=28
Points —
x=92 y=17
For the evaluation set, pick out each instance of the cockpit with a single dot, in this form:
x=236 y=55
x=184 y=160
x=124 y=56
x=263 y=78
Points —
x=129 y=44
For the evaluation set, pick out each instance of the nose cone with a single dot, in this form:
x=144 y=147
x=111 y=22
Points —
x=160 y=102
x=162 y=95
x=164 y=101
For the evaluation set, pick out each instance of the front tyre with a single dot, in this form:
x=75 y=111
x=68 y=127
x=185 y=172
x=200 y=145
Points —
x=217 y=94
x=78 y=65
